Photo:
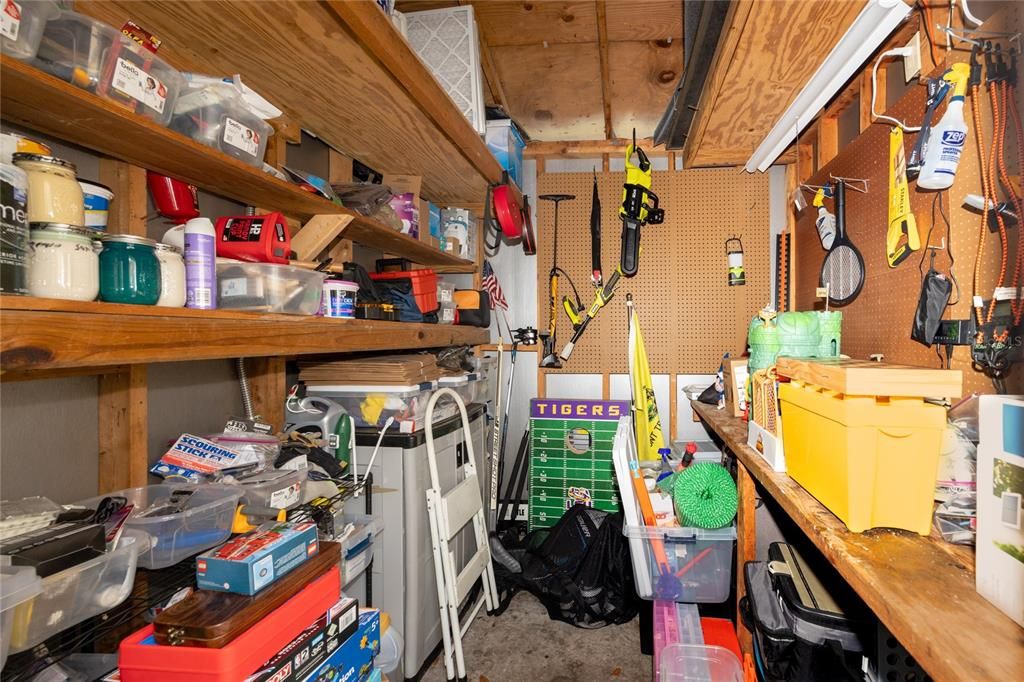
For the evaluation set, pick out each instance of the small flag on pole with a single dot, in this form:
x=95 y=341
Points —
x=490 y=284
x=646 y=420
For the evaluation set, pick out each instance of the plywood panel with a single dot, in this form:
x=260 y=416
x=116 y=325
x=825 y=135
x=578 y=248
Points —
x=643 y=77
x=879 y=320
x=688 y=313
x=554 y=92
x=645 y=20
x=764 y=58
x=536 y=21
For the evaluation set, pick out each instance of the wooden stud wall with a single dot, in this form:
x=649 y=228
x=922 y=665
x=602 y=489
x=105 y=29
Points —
x=688 y=313
x=879 y=320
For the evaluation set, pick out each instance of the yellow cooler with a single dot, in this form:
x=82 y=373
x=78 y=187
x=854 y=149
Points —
x=871 y=459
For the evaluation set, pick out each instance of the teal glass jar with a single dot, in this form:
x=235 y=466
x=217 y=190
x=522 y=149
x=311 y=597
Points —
x=129 y=270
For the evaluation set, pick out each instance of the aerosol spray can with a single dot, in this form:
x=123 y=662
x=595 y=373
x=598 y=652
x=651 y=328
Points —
x=200 y=264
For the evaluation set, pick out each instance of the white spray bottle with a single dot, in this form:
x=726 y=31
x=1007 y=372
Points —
x=946 y=140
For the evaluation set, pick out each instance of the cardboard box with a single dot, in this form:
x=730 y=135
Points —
x=452 y=245
x=252 y=561
x=735 y=374
x=313 y=646
x=353 y=660
x=406 y=201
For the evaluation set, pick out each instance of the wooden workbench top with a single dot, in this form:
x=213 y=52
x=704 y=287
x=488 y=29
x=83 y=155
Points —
x=921 y=587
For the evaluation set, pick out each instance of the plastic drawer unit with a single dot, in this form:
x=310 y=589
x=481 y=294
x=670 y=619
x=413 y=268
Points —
x=177 y=521
x=699 y=562
x=403 y=562
x=82 y=591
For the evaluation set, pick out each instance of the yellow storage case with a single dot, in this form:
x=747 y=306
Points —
x=871 y=460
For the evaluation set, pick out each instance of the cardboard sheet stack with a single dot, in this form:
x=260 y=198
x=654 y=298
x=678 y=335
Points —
x=399 y=370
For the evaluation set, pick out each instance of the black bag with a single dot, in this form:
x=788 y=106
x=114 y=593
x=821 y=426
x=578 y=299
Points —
x=579 y=569
x=474 y=307
x=931 y=304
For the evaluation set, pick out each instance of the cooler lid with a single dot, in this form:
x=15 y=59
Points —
x=863 y=377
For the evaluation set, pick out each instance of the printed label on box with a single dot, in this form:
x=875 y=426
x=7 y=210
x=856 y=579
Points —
x=192 y=457
x=10 y=20
x=263 y=572
x=285 y=497
x=139 y=85
x=240 y=136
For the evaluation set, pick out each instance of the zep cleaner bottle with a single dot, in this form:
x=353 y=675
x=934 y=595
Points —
x=946 y=141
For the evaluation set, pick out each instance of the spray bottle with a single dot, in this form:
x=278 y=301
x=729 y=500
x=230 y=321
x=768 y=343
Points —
x=946 y=141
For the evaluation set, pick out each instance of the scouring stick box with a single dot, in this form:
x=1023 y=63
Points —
x=571 y=456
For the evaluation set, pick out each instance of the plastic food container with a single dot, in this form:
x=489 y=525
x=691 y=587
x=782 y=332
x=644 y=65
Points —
x=18 y=584
x=26 y=515
x=97 y=203
x=699 y=562
x=215 y=115
x=205 y=520
x=97 y=57
x=63 y=262
x=269 y=288
x=699 y=663
x=372 y=405
x=129 y=270
x=357 y=548
x=21 y=26
x=83 y=591
x=277 y=488
x=507 y=147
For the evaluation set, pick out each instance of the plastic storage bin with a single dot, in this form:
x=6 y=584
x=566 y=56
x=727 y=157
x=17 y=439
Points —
x=204 y=521
x=700 y=561
x=97 y=57
x=424 y=286
x=357 y=548
x=871 y=461
x=699 y=663
x=269 y=288
x=277 y=488
x=216 y=115
x=22 y=24
x=507 y=146
x=18 y=584
x=83 y=591
x=372 y=405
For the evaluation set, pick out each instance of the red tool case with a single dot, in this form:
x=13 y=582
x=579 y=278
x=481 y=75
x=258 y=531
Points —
x=424 y=286
x=141 y=659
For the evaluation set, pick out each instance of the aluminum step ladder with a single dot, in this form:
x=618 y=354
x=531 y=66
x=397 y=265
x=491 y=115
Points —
x=449 y=513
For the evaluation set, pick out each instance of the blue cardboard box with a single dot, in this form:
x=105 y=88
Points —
x=248 y=563
x=313 y=646
x=353 y=661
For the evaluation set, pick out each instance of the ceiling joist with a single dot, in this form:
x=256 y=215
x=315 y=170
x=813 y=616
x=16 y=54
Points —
x=606 y=85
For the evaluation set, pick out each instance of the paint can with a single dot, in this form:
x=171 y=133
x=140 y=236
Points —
x=339 y=299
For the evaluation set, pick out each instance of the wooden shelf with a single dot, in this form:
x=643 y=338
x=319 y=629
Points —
x=922 y=588
x=42 y=102
x=49 y=334
x=339 y=70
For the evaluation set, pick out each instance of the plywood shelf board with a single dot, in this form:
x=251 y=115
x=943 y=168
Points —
x=922 y=592
x=48 y=334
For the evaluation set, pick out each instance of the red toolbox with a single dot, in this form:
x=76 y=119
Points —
x=141 y=659
x=424 y=286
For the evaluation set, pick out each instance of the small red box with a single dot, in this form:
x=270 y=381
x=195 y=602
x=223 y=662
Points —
x=424 y=286
x=141 y=659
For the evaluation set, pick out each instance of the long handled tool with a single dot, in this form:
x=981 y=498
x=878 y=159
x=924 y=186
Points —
x=579 y=321
x=493 y=482
x=527 y=336
x=548 y=338
x=639 y=207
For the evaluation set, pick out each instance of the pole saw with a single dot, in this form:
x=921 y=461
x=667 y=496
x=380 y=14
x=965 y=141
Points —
x=635 y=213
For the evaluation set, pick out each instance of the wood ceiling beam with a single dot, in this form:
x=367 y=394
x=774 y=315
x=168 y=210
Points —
x=491 y=71
x=587 y=148
x=606 y=83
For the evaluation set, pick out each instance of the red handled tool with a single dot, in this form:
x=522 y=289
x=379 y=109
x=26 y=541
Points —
x=254 y=238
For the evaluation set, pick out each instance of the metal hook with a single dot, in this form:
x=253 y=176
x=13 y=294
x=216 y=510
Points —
x=863 y=188
x=940 y=247
x=963 y=34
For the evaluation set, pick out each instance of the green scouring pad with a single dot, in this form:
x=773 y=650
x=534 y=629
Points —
x=705 y=496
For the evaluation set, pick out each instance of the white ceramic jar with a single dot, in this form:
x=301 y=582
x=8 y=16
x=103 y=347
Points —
x=54 y=195
x=63 y=262
x=172 y=276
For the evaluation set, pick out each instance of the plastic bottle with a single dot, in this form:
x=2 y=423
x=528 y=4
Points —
x=200 y=264
x=946 y=141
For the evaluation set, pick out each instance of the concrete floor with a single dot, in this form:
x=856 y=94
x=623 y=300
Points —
x=524 y=645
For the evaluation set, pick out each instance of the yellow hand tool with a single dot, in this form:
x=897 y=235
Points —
x=902 y=237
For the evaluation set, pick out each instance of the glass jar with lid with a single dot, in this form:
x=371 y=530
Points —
x=129 y=270
x=63 y=262
x=54 y=195
x=172 y=276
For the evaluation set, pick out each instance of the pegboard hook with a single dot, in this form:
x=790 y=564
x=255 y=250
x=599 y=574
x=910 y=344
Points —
x=856 y=184
x=940 y=247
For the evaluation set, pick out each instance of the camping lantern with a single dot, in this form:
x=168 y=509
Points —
x=734 y=251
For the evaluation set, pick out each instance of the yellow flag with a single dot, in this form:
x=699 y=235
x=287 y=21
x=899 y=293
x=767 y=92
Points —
x=646 y=420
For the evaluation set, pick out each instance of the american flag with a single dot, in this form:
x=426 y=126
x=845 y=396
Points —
x=490 y=282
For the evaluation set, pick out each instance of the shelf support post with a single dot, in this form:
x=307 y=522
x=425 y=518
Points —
x=123 y=428
x=267 y=382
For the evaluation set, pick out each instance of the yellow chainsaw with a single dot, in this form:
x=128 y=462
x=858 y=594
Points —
x=902 y=238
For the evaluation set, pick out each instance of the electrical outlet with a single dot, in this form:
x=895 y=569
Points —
x=912 y=60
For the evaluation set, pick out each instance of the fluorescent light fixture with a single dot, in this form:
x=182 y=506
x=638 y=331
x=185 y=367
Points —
x=873 y=25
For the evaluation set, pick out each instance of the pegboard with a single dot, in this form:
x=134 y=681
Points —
x=879 y=320
x=689 y=314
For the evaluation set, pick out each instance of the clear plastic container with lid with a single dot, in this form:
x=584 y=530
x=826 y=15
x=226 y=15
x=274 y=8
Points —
x=63 y=262
x=215 y=114
x=269 y=288
x=54 y=195
x=21 y=26
x=97 y=57
x=129 y=270
x=172 y=276
x=699 y=562
x=699 y=663
x=18 y=584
